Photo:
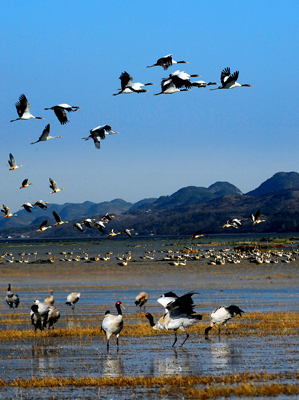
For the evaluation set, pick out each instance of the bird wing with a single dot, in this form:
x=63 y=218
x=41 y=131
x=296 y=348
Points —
x=53 y=184
x=225 y=74
x=56 y=216
x=257 y=215
x=97 y=142
x=126 y=79
x=184 y=303
x=22 y=105
x=25 y=181
x=61 y=115
x=6 y=209
x=232 y=78
x=166 y=83
x=12 y=161
x=43 y=224
x=165 y=61
x=45 y=133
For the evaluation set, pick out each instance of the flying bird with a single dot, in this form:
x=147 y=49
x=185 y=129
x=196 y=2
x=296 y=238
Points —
x=58 y=219
x=7 y=212
x=234 y=223
x=203 y=84
x=27 y=207
x=100 y=225
x=60 y=111
x=228 y=80
x=112 y=233
x=127 y=85
x=107 y=217
x=222 y=314
x=54 y=187
x=23 y=109
x=12 y=163
x=43 y=226
x=25 y=184
x=88 y=222
x=41 y=204
x=128 y=232
x=46 y=135
x=113 y=324
x=98 y=133
x=166 y=62
x=181 y=78
x=78 y=226
x=168 y=87
x=255 y=218
x=196 y=235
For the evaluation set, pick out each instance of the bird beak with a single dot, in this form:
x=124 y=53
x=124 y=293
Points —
x=122 y=306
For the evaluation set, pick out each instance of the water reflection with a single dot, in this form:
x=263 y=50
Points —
x=43 y=359
x=178 y=364
x=113 y=366
x=225 y=353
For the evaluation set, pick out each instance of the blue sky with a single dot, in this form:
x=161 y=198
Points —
x=74 y=52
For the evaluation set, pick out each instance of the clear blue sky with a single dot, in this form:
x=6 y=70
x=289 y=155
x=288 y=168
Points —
x=74 y=52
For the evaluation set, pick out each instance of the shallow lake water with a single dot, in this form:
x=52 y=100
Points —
x=266 y=288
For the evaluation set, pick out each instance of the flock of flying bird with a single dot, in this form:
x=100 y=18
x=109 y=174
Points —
x=178 y=313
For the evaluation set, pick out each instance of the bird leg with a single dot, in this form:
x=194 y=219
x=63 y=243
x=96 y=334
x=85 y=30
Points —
x=187 y=335
x=175 y=338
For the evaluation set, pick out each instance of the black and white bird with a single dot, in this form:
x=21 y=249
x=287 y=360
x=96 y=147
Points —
x=113 y=324
x=54 y=187
x=107 y=217
x=53 y=316
x=78 y=226
x=72 y=299
x=43 y=310
x=182 y=79
x=98 y=133
x=234 y=223
x=23 y=109
x=46 y=135
x=128 y=86
x=128 y=232
x=229 y=81
x=255 y=218
x=12 y=299
x=222 y=314
x=166 y=62
x=196 y=235
x=88 y=222
x=179 y=313
x=58 y=219
x=141 y=299
x=28 y=207
x=60 y=111
x=100 y=225
x=25 y=184
x=203 y=84
x=168 y=87
x=36 y=318
x=6 y=211
x=43 y=226
x=41 y=204
x=12 y=163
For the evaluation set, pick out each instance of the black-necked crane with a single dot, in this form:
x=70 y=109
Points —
x=58 y=219
x=113 y=324
x=100 y=225
x=181 y=78
x=98 y=133
x=141 y=299
x=54 y=187
x=12 y=299
x=60 y=111
x=72 y=299
x=36 y=318
x=168 y=87
x=196 y=235
x=46 y=135
x=203 y=84
x=41 y=204
x=23 y=109
x=179 y=313
x=222 y=314
x=166 y=62
x=43 y=309
x=228 y=80
x=255 y=218
x=78 y=226
x=49 y=299
x=43 y=226
x=25 y=184
x=7 y=212
x=12 y=163
x=128 y=86
x=27 y=207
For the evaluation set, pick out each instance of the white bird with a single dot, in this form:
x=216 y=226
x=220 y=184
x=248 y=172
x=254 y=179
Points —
x=234 y=223
x=41 y=204
x=88 y=222
x=58 y=219
x=43 y=226
x=12 y=163
x=12 y=299
x=78 y=226
x=46 y=135
x=113 y=324
x=127 y=85
x=168 y=87
x=23 y=109
x=7 y=212
x=72 y=299
x=98 y=133
x=25 y=184
x=100 y=225
x=181 y=78
x=27 y=206
x=179 y=313
x=127 y=232
x=222 y=314
x=60 y=111
x=203 y=84
x=166 y=62
x=43 y=309
x=54 y=187
x=255 y=218
x=141 y=299
x=229 y=81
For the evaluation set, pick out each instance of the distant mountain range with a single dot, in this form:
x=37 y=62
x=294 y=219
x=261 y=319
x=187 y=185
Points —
x=182 y=213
